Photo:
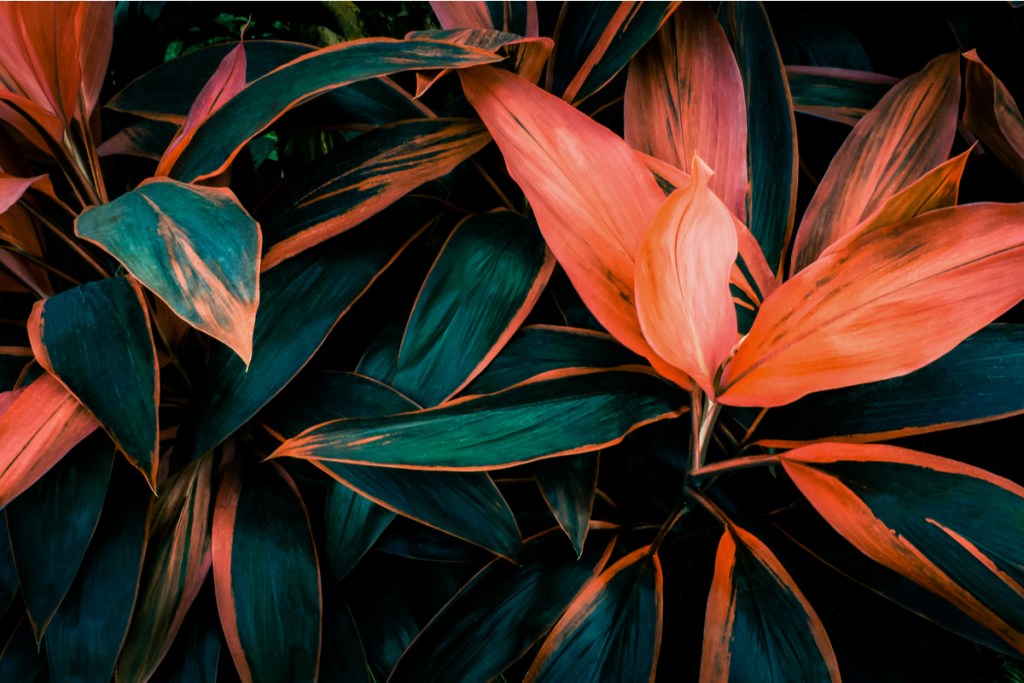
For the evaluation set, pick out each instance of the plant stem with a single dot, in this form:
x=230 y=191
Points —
x=41 y=263
x=77 y=248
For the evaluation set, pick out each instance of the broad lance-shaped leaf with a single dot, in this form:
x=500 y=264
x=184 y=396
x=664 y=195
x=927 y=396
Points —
x=682 y=280
x=918 y=515
x=194 y=247
x=684 y=97
x=612 y=628
x=266 y=575
x=881 y=303
x=841 y=95
x=495 y=618
x=771 y=128
x=568 y=485
x=575 y=413
x=591 y=194
x=96 y=339
x=482 y=286
x=362 y=178
x=219 y=138
x=909 y=132
x=992 y=114
x=39 y=424
x=758 y=625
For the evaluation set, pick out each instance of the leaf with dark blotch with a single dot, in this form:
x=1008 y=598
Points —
x=40 y=423
x=145 y=139
x=978 y=381
x=841 y=95
x=568 y=485
x=86 y=633
x=576 y=413
x=52 y=523
x=161 y=232
x=361 y=179
x=21 y=659
x=96 y=339
x=343 y=658
x=758 y=625
x=771 y=128
x=992 y=114
x=218 y=140
x=918 y=515
x=500 y=613
x=909 y=132
x=482 y=286
x=301 y=300
x=266 y=575
x=177 y=562
x=537 y=349
x=612 y=628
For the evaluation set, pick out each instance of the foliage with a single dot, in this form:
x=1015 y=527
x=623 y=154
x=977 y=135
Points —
x=710 y=367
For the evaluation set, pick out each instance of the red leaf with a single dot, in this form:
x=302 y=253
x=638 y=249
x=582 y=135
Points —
x=470 y=14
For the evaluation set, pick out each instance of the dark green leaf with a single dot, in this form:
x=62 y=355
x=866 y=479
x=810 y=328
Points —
x=381 y=356
x=568 y=485
x=342 y=658
x=21 y=659
x=96 y=339
x=407 y=539
x=817 y=41
x=9 y=583
x=353 y=524
x=195 y=655
x=836 y=94
x=384 y=616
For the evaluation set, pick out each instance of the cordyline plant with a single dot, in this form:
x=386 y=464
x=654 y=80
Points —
x=362 y=367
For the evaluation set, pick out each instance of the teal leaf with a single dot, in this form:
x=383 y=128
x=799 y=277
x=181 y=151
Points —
x=568 y=485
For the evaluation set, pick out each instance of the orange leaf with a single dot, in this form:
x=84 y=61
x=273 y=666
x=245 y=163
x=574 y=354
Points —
x=881 y=303
x=684 y=96
x=993 y=116
x=682 y=280
x=908 y=132
x=94 y=27
x=470 y=14
x=40 y=56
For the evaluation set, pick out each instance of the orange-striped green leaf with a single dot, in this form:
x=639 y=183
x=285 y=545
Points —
x=266 y=575
x=684 y=97
x=842 y=95
x=178 y=559
x=909 y=132
x=568 y=485
x=495 y=618
x=163 y=232
x=362 y=178
x=881 y=303
x=612 y=628
x=682 y=280
x=576 y=413
x=484 y=283
x=918 y=514
x=992 y=114
x=591 y=195
x=758 y=625
x=219 y=138
x=39 y=424
x=96 y=339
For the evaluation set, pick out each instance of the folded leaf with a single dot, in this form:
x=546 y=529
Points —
x=992 y=114
x=881 y=303
x=908 y=132
x=918 y=515
x=163 y=234
x=841 y=95
x=682 y=280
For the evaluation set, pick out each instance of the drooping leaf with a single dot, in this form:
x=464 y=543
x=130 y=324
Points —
x=932 y=281
x=909 y=132
x=86 y=633
x=771 y=128
x=96 y=339
x=684 y=97
x=482 y=286
x=568 y=485
x=218 y=140
x=364 y=177
x=918 y=515
x=301 y=301
x=39 y=424
x=266 y=575
x=177 y=561
x=992 y=114
x=161 y=232
x=52 y=523
x=591 y=194
x=500 y=613
x=841 y=95
x=758 y=625
x=612 y=629
x=682 y=280
x=576 y=413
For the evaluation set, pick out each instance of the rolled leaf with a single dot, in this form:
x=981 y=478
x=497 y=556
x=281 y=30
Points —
x=162 y=233
x=992 y=114
x=918 y=515
x=841 y=95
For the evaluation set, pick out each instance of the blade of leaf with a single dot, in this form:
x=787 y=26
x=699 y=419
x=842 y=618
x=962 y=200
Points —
x=456 y=15
x=992 y=114
x=161 y=232
x=145 y=139
x=934 y=279
x=917 y=514
x=94 y=28
x=841 y=95
x=568 y=485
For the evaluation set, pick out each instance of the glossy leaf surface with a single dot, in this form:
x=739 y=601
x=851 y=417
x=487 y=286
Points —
x=96 y=339
x=568 y=485
x=161 y=233
x=993 y=115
